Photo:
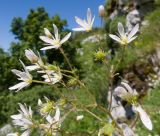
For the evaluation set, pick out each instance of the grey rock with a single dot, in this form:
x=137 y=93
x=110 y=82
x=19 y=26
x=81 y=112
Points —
x=93 y=39
x=6 y=129
x=132 y=19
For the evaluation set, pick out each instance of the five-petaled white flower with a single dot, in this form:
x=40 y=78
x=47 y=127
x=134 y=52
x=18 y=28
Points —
x=52 y=76
x=24 y=119
x=24 y=76
x=54 y=122
x=127 y=93
x=53 y=41
x=85 y=25
x=123 y=38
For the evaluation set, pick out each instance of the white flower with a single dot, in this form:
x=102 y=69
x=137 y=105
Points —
x=124 y=38
x=127 y=93
x=24 y=76
x=53 y=41
x=54 y=122
x=31 y=56
x=37 y=65
x=24 y=119
x=85 y=25
x=13 y=134
x=80 y=117
x=52 y=76
x=101 y=10
x=56 y=118
x=33 y=67
x=47 y=107
x=143 y=116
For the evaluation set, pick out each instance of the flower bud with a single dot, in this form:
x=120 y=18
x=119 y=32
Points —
x=101 y=11
x=100 y=55
x=46 y=108
x=72 y=82
x=31 y=56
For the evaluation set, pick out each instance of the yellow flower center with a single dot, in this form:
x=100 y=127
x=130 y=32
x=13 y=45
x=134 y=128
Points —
x=56 y=43
x=88 y=29
x=124 y=40
x=29 y=80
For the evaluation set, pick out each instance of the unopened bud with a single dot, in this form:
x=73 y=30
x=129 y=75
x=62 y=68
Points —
x=101 y=11
x=52 y=67
x=72 y=82
x=46 y=107
x=31 y=56
x=100 y=55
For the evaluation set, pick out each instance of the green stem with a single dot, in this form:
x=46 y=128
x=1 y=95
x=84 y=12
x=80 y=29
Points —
x=112 y=76
x=94 y=115
x=111 y=90
x=66 y=71
x=41 y=82
x=67 y=60
x=135 y=121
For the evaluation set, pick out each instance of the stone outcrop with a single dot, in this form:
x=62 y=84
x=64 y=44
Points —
x=6 y=129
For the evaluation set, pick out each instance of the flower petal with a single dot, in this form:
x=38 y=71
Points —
x=26 y=133
x=16 y=72
x=129 y=89
x=78 y=29
x=134 y=31
x=23 y=109
x=127 y=131
x=39 y=102
x=33 y=67
x=48 y=33
x=56 y=32
x=46 y=39
x=131 y=39
x=65 y=38
x=49 y=119
x=30 y=111
x=89 y=16
x=92 y=21
x=116 y=38
x=57 y=115
x=12 y=134
x=26 y=74
x=18 y=116
x=18 y=86
x=79 y=117
x=121 y=30
x=120 y=91
x=80 y=22
x=49 y=47
x=144 y=117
